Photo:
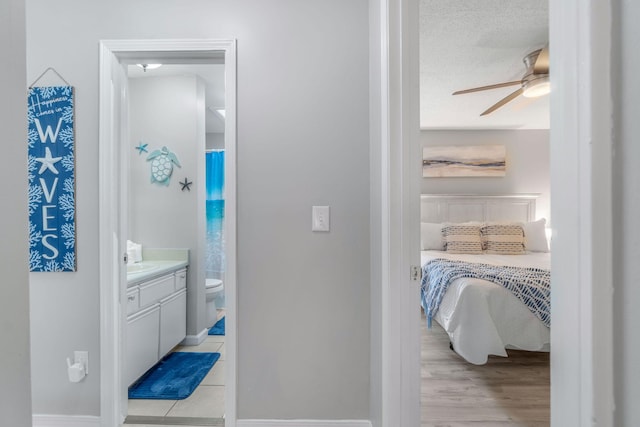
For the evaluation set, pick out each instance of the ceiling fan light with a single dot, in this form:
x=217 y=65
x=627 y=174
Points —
x=146 y=67
x=538 y=87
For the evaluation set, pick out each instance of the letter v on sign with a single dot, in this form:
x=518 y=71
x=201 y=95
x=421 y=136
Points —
x=48 y=132
x=48 y=194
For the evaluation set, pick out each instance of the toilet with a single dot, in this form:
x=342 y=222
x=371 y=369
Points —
x=214 y=288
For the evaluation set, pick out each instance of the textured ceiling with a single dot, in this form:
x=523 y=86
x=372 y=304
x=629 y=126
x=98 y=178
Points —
x=471 y=43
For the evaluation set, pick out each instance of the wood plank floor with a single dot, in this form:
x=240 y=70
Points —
x=507 y=391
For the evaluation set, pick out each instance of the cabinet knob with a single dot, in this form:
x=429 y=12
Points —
x=131 y=298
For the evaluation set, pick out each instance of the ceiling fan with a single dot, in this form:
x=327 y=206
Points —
x=534 y=83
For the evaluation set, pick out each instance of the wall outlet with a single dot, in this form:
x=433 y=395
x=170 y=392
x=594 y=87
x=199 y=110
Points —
x=82 y=357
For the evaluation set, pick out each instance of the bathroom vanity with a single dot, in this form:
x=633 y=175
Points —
x=156 y=309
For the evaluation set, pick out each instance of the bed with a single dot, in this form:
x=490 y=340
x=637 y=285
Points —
x=482 y=317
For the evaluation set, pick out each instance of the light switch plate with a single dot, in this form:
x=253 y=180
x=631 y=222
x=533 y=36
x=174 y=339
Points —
x=320 y=218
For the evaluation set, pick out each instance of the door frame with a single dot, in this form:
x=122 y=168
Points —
x=401 y=164
x=581 y=142
x=113 y=400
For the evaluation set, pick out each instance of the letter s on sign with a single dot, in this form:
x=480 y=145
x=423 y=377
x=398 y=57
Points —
x=46 y=243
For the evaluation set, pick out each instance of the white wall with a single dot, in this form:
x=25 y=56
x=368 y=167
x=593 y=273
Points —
x=164 y=111
x=303 y=140
x=527 y=164
x=15 y=390
x=215 y=141
x=626 y=209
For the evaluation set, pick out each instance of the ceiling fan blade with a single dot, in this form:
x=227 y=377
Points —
x=503 y=101
x=542 y=62
x=478 y=89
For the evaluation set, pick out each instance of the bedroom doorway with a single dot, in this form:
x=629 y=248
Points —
x=457 y=352
x=581 y=181
x=114 y=206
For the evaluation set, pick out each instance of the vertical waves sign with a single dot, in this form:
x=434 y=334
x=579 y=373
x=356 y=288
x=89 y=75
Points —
x=51 y=166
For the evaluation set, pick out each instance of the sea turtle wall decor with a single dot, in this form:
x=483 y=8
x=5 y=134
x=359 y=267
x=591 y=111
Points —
x=162 y=162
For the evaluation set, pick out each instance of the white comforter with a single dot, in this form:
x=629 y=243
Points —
x=483 y=318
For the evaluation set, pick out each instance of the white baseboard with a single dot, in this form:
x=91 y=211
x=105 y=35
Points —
x=91 y=421
x=65 y=421
x=303 y=423
x=195 y=339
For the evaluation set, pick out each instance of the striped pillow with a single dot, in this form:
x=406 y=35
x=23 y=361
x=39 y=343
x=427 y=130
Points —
x=503 y=238
x=462 y=238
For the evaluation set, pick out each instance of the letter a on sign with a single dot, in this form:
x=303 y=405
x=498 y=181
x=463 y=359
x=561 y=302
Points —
x=51 y=165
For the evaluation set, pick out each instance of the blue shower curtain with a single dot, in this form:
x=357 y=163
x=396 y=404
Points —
x=215 y=175
x=215 y=214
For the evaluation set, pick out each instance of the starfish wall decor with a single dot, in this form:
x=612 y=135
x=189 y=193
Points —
x=186 y=184
x=142 y=148
x=48 y=162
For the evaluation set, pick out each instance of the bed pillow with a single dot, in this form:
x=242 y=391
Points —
x=503 y=238
x=535 y=236
x=431 y=236
x=462 y=238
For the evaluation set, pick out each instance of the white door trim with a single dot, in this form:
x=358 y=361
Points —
x=581 y=179
x=110 y=268
x=400 y=193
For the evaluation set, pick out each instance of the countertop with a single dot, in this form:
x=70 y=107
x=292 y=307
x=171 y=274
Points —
x=156 y=263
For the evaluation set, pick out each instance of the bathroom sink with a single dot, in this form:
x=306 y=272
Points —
x=140 y=268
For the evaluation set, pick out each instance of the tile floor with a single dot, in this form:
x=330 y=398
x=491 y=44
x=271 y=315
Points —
x=206 y=402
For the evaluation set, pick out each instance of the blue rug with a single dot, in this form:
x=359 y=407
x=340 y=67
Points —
x=218 y=328
x=174 y=377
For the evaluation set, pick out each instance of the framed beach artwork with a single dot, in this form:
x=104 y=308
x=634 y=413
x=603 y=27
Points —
x=461 y=161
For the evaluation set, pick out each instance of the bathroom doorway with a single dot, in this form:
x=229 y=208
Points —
x=118 y=148
x=174 y=110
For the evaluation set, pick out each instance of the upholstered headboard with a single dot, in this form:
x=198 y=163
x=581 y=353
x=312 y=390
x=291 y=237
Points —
x=440 y=208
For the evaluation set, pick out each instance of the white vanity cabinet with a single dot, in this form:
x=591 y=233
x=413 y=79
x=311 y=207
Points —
x=181 y=279
x=156 y=321
x=154 y=290
x=173 y=321
x=133 y=299
x=173 y=318
x=143 y=337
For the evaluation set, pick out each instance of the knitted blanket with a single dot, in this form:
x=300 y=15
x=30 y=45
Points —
x=529 y=285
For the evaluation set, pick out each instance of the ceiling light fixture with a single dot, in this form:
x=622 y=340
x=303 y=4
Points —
x=537 y=87
x=146 y=67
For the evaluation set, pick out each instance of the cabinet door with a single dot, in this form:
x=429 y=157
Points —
x=141 y=351
x=173 y=321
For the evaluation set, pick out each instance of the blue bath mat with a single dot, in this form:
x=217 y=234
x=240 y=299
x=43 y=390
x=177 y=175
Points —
x=218 y=328
x=174 y=377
